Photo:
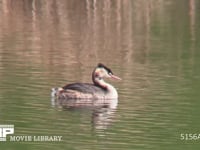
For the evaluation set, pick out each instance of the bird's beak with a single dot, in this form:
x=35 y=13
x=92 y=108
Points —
x=115 y=77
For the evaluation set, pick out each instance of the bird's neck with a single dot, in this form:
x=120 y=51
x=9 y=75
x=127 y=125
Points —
x=100 y=82
x=111 y=91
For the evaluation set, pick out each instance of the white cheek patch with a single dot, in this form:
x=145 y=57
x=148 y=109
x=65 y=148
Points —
x=97 y=72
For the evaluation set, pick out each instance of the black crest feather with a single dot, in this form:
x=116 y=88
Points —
x=100 y=65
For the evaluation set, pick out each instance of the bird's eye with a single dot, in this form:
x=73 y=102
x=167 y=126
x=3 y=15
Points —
x=110 y=73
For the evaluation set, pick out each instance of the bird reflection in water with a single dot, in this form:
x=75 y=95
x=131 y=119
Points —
x=102 y=111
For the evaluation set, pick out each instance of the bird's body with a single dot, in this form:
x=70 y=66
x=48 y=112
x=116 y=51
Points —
x=98 y=90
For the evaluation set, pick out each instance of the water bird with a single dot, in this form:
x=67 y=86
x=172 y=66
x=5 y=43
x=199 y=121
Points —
x=98 y=90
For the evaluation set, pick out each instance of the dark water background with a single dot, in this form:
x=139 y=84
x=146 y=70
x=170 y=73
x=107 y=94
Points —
x=152 y=45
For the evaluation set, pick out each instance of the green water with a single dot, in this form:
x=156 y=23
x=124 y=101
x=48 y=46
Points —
x=152 y=45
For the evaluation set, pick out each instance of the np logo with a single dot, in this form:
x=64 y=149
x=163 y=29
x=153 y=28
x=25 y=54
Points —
x=4 y=130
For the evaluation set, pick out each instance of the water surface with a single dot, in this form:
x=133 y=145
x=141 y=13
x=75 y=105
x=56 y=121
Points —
x=151 y=45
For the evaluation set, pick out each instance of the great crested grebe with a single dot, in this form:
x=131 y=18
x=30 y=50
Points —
x=98 y=90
